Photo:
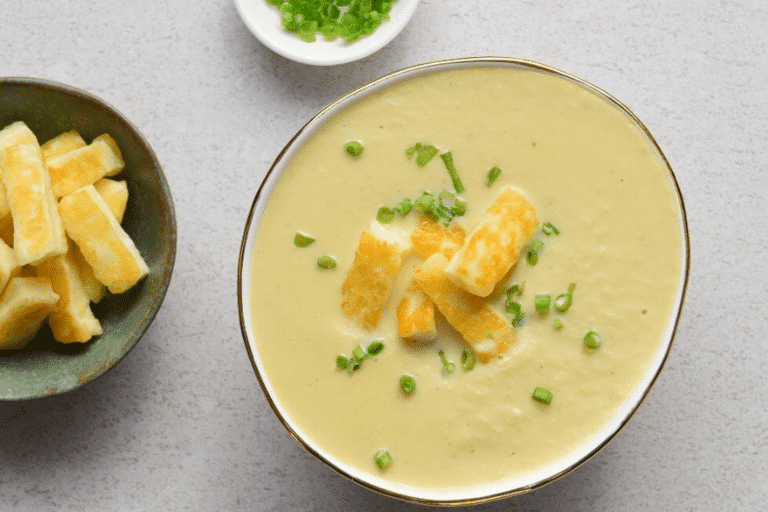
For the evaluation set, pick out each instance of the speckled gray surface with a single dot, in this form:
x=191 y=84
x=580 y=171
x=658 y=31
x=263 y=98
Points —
x=181 y=423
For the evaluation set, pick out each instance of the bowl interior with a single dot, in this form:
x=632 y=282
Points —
x=305 y=437
x=45 y=367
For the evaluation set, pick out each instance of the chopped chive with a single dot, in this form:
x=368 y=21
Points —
x=353 y=147
x=468 y=359
x=342 y=362
x=425 y=204
x=359 y=353
x=448 y=161
x=407 y=384
x=404 y=207
x=375 y=347
x=326 y=262
x=385 y=215
x=459 y=207
x=563 y=301
x=493 y=174
x=541 y=302
x=383 y=459
x=550 y=229
x=533 y=251
x=516 y=310
x=557 y=324
x=424 y=153
x=448 y=366
x=516 y=290
x=302 y=240
x=592 y=341
x=542 y=395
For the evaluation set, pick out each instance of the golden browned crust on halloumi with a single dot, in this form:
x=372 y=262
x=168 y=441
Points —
x=71 y=319
x=487 y=333
x=112 y=143
x=17 y=133
x=416 y=316
x=430 y=237
x=83 y=166
x=94 y=288
x=494 y=245
x=62 y=143
x=115 y=193
x=37 y=229
x=24 y=305
x=369 y=282
x=104 y=244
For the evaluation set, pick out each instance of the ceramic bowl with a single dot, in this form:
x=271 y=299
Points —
x=45 y=367
x=364 y=113
x=263 y=20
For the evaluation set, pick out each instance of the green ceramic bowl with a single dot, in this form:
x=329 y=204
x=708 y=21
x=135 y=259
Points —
x=45 y=367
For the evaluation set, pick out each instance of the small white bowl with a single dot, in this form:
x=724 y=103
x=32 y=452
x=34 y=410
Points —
x=263 y=20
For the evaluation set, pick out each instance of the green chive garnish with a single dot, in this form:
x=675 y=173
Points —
x=404 y=207
x=493 y=175
x=407 y=384
x=468 y=359
x=533 y=251
x=592 y=341
x=542 y=395
x=459 y=207
x=353 y=147
x=550 y=229
x=448 y=366
x=557 y=324
x=516 y=290
x=383 y=459
x=302 y=240
x=359 y=353
x=448 y=161
x=563 y=301
x=541 y=302
x=424 y=153
x=326 y=262
x=516 y=310
x=342 y=362
x=385 y=215
x=375 y=347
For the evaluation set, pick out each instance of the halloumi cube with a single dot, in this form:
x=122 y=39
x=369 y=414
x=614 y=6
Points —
x=430 y=237
x=416 y=316
x=24 y=305
x=484 y=330
x=495 y=244
x=115 y=193
x=84 y=166
x=62 y=143
x=106 y=247
x=71 y=319
x=370 y=280
x=37 y=230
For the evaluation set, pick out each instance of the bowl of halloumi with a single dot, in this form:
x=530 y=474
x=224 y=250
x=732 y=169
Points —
x=453 y=287
x=87 y=237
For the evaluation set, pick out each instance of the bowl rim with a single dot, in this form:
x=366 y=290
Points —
x=167 y=264
x=263 y=21
x=657 y=366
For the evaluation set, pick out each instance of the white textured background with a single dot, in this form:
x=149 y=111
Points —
x=181 y=423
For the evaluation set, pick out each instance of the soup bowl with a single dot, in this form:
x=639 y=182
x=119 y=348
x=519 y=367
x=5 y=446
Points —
x=612 y=255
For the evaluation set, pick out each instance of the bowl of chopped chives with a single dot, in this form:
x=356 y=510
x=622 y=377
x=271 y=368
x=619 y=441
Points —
x=451 y=285
x=325 y=32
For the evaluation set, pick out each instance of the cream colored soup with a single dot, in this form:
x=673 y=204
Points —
x=586 y=167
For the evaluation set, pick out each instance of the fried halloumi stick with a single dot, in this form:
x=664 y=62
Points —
x=94 y=288
x=24 y=305
x=370 y=279
x=105 y=245
x=71 y=319
x=115 y=193
x=84 y=166
x=7 y=263
x=62 y=143
x=494 y=245
x=416 y=316
x=11 y=135
x=430 y=237
x=37 y=230
x=487 y=333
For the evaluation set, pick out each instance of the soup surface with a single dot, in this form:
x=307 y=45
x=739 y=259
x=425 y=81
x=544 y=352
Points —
x=587 y=168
